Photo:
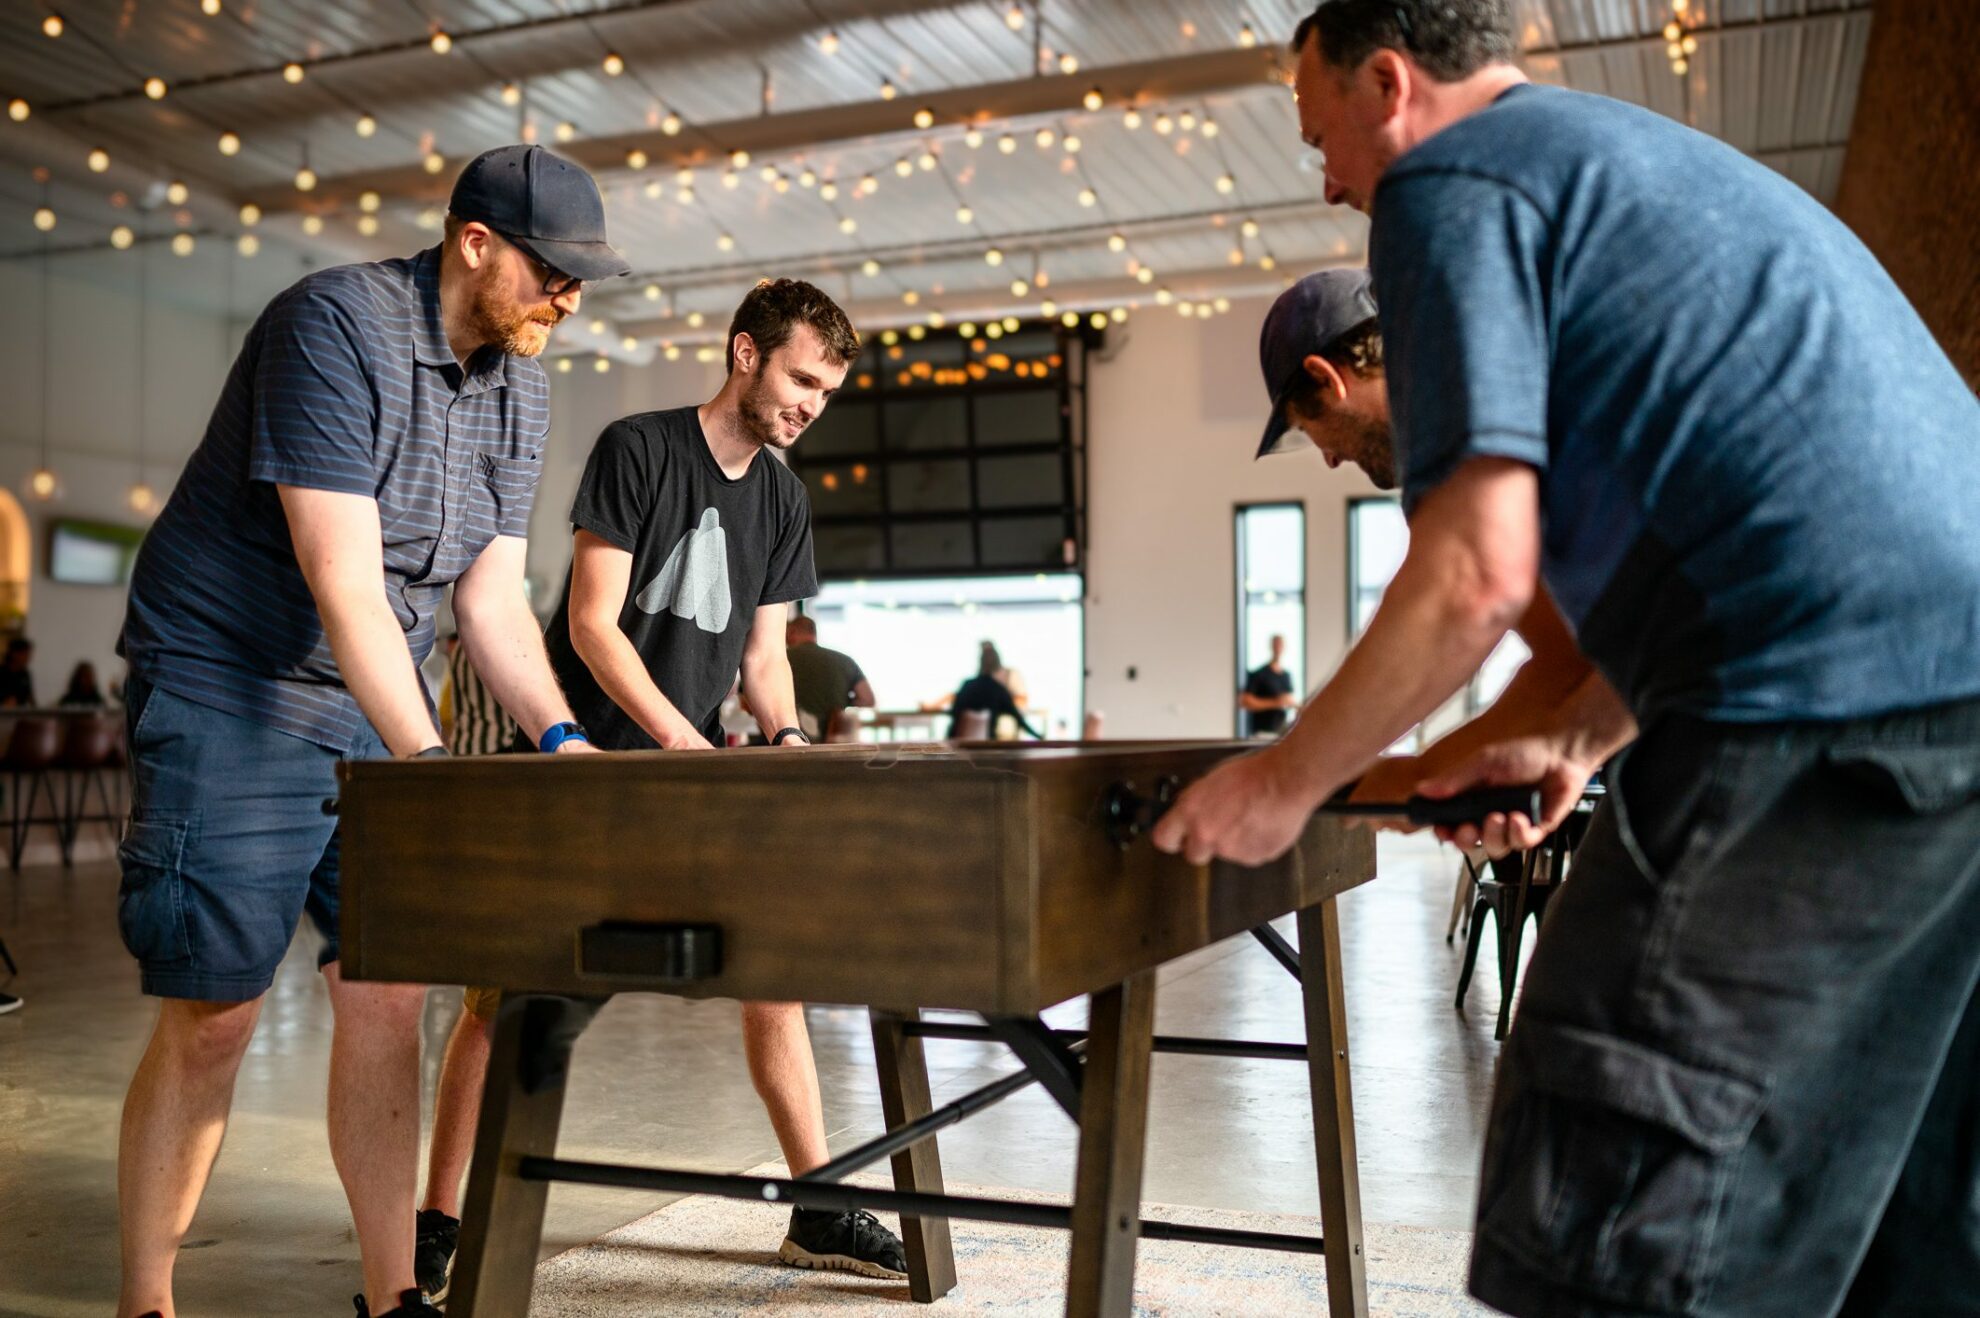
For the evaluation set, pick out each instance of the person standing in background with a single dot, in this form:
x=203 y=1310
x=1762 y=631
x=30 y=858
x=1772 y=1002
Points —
x=1268 y=694
x=16 y=681
x=826 y=680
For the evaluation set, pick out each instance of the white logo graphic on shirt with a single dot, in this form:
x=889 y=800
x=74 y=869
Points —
x=694 y=581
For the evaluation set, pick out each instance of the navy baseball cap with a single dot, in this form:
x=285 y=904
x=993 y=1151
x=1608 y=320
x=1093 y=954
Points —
x=543 y=204
x=1306 y=319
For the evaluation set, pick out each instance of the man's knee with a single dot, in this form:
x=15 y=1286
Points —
x=205 y=1035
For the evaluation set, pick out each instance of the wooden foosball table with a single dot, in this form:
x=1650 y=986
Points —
x=994 y=879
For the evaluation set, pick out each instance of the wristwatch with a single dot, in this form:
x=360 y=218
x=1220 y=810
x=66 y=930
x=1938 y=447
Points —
x=557 y=734
x=782 y=733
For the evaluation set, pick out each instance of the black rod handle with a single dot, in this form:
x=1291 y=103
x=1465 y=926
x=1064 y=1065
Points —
x=1464 y=808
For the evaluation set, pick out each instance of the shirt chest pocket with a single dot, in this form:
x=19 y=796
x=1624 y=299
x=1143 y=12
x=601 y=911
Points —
x=499 y=498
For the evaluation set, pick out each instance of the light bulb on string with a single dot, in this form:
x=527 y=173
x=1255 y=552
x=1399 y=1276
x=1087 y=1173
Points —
x=292 y=73
x=366 y=125
x=230 y=144
x=511 y=94
x=441 y=42
x=829 y=43
x=155 y=88
x=614 y=64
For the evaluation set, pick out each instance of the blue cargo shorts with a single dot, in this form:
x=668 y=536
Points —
x=228 y=845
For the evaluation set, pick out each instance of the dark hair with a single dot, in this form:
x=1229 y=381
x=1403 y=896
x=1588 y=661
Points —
x=1358 y=350
x=805 y=623
x=1447 y=39
x=991 y=662
x=774 y=309
x=19 y=645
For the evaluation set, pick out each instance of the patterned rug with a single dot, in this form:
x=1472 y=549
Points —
x=708 y=1256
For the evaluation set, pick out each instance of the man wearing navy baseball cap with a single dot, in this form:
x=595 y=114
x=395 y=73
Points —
x=1321 y=351
x=378 y=439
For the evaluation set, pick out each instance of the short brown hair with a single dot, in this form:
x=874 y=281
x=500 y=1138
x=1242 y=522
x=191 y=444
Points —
x=1448 y=39
x=774 y=309
x=1358 y=350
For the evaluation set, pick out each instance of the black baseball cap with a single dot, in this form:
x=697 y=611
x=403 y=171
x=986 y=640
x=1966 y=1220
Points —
x=1307 y=318
x=543 y=204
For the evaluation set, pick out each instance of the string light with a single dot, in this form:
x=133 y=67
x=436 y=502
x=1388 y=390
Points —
x=696 y=320
x=671 y=125
x=1163 y=297
x=726 y=242
x=368 y=202
x=1007 y=144
x=971 y=139
x=441 y=43
x=434 y=162
x=903 y=167
x=52 y=25
x=925 y=162
x=247 y=244
x=1014 y=19
x=18 y=110
x=44 y=218
x=601 y=363
x=964 y=215
x=1187 y=121
x=829 y=43
x=305 y=179
x=653 y=189
x=251 y=214
x=1246 y=37
x=1049 y=308
x=211 y=8
x=1164 y=125
x=142 y=497
x=1118 y=315
x=994 y=256
x=1088 y=197
x=1019 y=288
x=366 y=125
x=614 y=64
x=99 y=160
x=828 y=190
x=1068 y=64
x=511 y=94
x=869 y=267
x=635 y=159
x=1045 y=137
x=292 y=73
x=1093 y=100
x=653 y=292
x=312 y=225
x=887 y=89
x=230 y=144
x=1226 y=184
x=1249 y=228
x=121 y=237
x=808 y=177
x=1144 y=275
x=1132 y=119
x=182 y=244
x=566 y=130
x=1116 y=242
x=1072 y=144
x=848 y=225
x=924 y=118
x=731 y=180
x=155 y=88
x=564 y=365
x=912 y=298
x=739 y=159
x=1210 y=128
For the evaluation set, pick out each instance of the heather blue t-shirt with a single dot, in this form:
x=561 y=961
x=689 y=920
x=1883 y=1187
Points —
x=1759 y=474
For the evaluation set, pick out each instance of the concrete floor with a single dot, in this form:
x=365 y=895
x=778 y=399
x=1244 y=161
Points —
x=273 y=1235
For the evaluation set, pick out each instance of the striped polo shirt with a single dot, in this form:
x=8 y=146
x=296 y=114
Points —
x=345 y=383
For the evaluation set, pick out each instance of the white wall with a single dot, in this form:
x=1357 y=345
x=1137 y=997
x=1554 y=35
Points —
x=1176 y=414
x=91 y=330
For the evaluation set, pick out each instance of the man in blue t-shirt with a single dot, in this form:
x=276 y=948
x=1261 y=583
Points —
x=1627 y=362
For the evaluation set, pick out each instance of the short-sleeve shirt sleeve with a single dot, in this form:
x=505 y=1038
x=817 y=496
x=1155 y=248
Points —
x=791 y=575
x=1458 y=264
x=315 y=413
x=616 y=492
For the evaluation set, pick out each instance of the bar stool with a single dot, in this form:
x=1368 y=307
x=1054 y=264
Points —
x=90 y=760
x=32 y=753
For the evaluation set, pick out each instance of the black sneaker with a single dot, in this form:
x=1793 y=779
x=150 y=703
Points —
x=411 y=1304
x=849 y=1241
x=435 y=1238
x=8 y=1002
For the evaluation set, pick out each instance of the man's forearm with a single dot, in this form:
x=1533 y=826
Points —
x=770 y=693
x=370 y=648
x=622 y=676
x=1594 y=723
x=506 y=648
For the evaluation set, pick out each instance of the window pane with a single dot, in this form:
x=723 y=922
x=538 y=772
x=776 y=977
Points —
x=844 y=427
x=839 y=490
x=928 y=487
x=1031 y=417
x=1017 y=482
x=925 y=423
x=1271 y=593
x=848 y=549
x=920 y=546
x=1024 y=542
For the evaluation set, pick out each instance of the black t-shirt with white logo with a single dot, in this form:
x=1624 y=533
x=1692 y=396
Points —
x=707 y=552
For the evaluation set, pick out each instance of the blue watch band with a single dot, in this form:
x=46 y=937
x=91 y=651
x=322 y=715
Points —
x=557 y=734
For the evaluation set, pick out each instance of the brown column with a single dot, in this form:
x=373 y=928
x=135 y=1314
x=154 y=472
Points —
x=1911 y=179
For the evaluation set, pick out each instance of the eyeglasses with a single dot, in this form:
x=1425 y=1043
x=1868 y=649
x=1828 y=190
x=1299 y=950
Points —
x=555 y=282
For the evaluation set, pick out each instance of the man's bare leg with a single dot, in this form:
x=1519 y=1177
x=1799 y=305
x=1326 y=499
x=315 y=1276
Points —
x=456 y=1109
x=374 y=1124
x=174 y=1117
x=780 y=1065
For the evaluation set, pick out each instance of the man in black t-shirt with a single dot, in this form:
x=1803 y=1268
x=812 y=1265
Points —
x=826 y=680
x=1268 y=694
x=691 y=542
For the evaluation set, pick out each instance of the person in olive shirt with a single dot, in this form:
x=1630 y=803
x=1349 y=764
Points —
x=1268 y=693
x=826 y=680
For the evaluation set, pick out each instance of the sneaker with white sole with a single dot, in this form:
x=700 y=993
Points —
x=848 y=1241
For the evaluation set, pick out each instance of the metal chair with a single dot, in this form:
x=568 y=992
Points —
x=91 y=760
x=33 y=754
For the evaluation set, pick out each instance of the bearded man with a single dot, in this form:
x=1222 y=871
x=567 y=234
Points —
x=379 y=437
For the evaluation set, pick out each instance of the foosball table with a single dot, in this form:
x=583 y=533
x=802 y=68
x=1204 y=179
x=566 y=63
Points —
x=1011 y=878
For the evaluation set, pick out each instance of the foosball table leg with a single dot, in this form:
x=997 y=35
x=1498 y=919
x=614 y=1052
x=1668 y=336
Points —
x=1113 y=1140
x=1333 y=1109
x=904 y=1096
x=521 y=1107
